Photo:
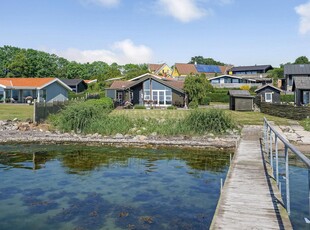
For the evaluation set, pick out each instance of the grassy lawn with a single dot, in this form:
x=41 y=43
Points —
x=11 y=111
x=243 y=118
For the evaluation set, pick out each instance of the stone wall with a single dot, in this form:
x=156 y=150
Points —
x=283 y=110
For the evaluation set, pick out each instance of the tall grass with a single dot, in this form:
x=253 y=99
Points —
x=213 y=120
x=95 y=117
x=110 y=125
x=76 y=117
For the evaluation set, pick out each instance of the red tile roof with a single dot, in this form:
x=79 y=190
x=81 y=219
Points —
x=185 y=69
x=25 y=82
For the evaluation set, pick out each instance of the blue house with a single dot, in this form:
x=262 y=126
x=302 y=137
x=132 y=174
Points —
x=22 y=90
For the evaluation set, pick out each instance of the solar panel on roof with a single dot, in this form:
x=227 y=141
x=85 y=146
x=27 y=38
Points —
x=208 y=68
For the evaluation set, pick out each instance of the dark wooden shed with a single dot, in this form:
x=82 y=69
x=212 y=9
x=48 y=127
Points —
x=240 y=100
x=301 y=88
x=269 y=94
x=77 y=85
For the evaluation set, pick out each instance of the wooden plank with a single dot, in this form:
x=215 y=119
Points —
x=247 y=200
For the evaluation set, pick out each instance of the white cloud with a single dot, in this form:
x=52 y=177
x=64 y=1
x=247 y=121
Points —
x=122 y=52
x=104 y=3
x=304 y=13
x=183 y=10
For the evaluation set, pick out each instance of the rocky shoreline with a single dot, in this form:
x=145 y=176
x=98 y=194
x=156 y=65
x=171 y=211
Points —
x=27 y=132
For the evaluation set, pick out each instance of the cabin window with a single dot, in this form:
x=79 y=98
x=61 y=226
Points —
x=306 y=97
x=120 y=97
x=235 y=80
x=268 y=97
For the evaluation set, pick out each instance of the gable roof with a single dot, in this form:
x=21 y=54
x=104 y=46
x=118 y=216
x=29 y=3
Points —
x=30 y=83
x=185 y=69
x=122 y=85
x=267 y=86
x=300 y=69
x=251 y=68
x=225 y=75
x=239 y=93
x=224 y=69
x=154 y=67
x=72 y=81
x=301 y=83
x=90 y=81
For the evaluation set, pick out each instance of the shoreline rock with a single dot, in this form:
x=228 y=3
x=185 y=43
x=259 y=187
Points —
x=12 y=132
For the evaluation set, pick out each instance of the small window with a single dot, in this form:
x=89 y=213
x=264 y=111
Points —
x=268 y=97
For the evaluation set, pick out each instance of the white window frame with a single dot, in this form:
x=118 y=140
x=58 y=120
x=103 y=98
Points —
x=266 y=99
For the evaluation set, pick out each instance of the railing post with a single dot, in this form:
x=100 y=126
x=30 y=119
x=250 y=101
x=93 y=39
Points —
x=271 y=156
x=277 y=159
x=221 y=184
x=266 y=137
x=308 y=219
x=287 y=182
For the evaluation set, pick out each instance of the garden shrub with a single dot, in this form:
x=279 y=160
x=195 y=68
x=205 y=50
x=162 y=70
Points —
x=245 y=87
x=287 y=98
x=206 y=101
x=103 y=103
x=171 y=107
x=139 y=107
x=193 y=105
x=219 y=97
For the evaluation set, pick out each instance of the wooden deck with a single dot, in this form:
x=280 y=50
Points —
x=248 y=200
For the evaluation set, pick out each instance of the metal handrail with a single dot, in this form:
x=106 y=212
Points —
x=289 y=145
x=268 y=142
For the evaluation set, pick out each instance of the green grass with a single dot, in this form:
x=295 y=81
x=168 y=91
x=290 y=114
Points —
x=11 y=111
x=241 y=118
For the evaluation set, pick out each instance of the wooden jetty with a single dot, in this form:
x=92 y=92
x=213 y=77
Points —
x=250 y=199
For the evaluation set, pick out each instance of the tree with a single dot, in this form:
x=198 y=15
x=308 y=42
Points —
x=302 y=60
x=197 y=87
x=276 y=74
x=205 y=61
x=18 y=65
x=133 y=70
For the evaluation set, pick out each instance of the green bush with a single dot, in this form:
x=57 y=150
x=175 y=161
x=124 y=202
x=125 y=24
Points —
x=206 y=101
x=193 y=105
x=171 y=107
x=103 y=103
x=218 y=97
x=213 y=120
x=139 y=107
x=288 y=98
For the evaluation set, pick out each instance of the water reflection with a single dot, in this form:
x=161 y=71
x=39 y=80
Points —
x=80 y=187
x=78 y=159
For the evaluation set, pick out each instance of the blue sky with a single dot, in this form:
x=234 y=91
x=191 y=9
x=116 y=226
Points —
x=239 y=32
